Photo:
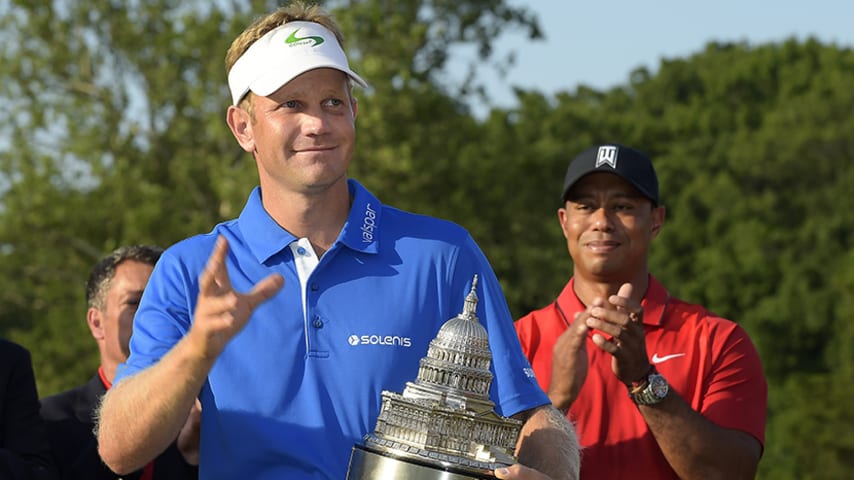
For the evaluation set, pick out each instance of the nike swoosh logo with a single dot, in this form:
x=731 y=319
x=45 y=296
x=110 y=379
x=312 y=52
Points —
x=293 y=38
x=657 y=359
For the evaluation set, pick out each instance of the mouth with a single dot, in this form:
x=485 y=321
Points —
x=314 y=150
x=602 y=246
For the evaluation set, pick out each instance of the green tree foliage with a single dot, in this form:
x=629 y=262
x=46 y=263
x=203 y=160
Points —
x=761 y=206
x=115 y=135
x=753 y=148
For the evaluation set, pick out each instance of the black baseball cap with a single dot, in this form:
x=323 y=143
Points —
x=631 y=165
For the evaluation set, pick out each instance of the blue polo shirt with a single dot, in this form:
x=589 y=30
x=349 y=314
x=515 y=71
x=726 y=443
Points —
x=301 y=383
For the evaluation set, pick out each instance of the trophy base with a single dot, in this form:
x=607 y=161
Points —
x=369 y=464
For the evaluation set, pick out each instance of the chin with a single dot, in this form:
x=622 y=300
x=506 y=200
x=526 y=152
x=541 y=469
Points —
x=607 y=272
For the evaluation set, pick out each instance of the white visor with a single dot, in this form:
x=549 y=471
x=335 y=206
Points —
x=284 y=53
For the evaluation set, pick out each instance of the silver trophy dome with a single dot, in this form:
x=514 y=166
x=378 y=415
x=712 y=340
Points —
x=465 y=329
x=444 y=419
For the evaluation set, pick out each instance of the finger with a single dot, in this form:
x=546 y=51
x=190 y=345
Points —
x=572 y=339
x=503 y=472
x=217 y=306
x=579 y=322
x=625 y=290
x=518 y=471
x=633 y=311
x=580 y=331
x=215 y=274
x=263 y=290
x=195 y=410
x=609 y=346
x=622 y=300
x=605 y=320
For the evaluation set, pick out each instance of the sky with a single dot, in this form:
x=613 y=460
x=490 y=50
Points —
x=600 y=42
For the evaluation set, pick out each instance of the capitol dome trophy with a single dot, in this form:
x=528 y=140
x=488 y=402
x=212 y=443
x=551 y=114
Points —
x=444 y=425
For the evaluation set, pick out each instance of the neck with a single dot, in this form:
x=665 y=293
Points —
x=317 y=217
x=588 y=289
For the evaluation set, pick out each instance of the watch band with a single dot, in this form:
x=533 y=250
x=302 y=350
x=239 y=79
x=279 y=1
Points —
x=654 y=390
x=641 y=383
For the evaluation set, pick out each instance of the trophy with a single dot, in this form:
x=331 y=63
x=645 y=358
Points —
x=444 y=425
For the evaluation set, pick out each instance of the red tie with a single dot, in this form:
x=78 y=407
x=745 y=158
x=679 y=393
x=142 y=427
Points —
x=148 y=472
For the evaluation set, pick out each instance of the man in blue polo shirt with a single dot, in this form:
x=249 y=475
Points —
x=289 y=321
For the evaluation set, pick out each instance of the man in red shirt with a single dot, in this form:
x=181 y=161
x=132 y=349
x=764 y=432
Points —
x=657 y=387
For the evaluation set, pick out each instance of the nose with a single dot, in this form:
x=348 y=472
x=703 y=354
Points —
x=315 y=122
x=602 y=220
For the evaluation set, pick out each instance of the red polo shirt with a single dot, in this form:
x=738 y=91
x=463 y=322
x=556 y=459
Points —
x=709 y=361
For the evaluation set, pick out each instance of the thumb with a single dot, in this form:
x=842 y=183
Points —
x=265 y=289
x=518 y=470
x=625 y=290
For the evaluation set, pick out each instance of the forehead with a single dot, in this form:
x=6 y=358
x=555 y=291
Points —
x=319 y=79
x=603 y=183
x=131 y=275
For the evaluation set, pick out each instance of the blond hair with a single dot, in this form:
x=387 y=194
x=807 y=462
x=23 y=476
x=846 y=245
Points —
x=295 y=11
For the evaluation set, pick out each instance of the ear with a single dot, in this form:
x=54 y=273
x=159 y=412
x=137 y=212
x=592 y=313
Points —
x=95 y=321
x=658 y=214
x=561 y=218
x=240 y=123
x=354 y=105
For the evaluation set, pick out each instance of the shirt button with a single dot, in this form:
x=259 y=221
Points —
x=314 y=287
x=317 y=323
x=301 y=250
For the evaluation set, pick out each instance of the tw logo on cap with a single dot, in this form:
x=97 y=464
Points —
x=607 y=155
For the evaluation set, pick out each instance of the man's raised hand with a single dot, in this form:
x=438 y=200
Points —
x=221 y=311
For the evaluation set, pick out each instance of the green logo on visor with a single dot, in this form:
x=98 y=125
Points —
x=293 y=38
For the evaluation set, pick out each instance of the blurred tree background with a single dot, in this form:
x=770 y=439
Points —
x=115 y=134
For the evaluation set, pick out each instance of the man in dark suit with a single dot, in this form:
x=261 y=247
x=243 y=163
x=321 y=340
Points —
x=24 y=450
x=113 y=292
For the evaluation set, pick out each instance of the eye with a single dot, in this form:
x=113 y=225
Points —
x=333 y=102
x=290 y=104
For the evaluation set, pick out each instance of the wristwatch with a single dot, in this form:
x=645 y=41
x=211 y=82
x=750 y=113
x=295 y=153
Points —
x=651 y=391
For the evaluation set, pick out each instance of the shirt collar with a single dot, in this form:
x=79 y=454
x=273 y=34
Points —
x=262 y=234
x=362 y=230
x=103 y=376
x=266 y=238
x=654 y=302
